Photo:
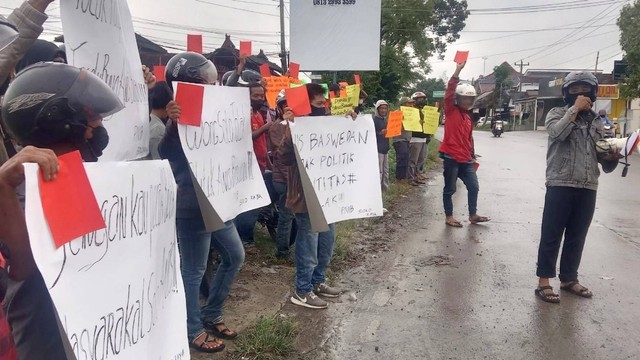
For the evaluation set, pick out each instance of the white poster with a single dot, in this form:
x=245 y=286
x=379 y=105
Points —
x=99 y=37
x=221 y=156
x=336 y=35
x=340 y=161
x=118 y=291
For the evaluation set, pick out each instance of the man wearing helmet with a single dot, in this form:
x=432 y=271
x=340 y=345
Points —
x=418 y=144
x=50 y=109
x=457 y=148
x=572 y=183
x=194 y=241
x=380 y=123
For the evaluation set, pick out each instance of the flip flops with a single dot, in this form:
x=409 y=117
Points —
x=583 y=292
x=550 y=298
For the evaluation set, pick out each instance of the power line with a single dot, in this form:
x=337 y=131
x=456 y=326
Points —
x=237 y=8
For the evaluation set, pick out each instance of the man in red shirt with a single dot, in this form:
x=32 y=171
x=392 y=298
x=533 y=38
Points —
x=246 y=222
x=457 y=148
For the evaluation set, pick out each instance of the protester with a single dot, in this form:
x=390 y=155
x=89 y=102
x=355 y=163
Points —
x=160 y=96
x=280 y=177
x=401 y=145
x=457 y=149
x=246 y=222
x=418 y=144
x=380 y=123
x=572 y=184
x=194 y=241
x=69 y=118
x=313 y=251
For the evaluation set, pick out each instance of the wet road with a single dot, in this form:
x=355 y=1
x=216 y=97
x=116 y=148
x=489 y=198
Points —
x=444 y=293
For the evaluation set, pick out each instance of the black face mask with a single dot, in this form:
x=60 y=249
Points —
x=94 y=146
x=318 y=111
x=421 y=103
x=256 y=105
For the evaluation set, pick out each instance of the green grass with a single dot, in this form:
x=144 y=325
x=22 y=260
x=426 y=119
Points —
x=270 y=338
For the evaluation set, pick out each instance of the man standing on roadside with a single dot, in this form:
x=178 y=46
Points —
x=380 y=123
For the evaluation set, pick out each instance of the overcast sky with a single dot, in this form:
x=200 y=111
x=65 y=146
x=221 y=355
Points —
x=503 y=37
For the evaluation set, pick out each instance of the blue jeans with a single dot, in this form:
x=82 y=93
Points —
x=194 y=243
x=246 y=224
x=313 y=254
x=467 y=173
x=285 y=220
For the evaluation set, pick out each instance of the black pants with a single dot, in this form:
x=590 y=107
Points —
x=402 y=159
x=567 y=211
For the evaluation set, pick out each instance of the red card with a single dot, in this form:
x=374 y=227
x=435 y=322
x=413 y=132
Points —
x=356 y=78
x=194 y=43
x=294 y=70
x=245 y=48
x=190 y=97
x=298 y=101
x=159 y=71
x=476 y=165
x=265 y=70
x=68 y=202
x=461 y=56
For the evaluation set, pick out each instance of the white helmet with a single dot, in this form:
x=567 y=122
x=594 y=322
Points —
x=418 y=94
x=466 y=90
x=380 y=103
x=282 y=96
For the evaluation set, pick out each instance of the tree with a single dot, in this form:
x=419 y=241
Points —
x=428 y=86
x=629 y=24
x=411 y=32
x=501 y=74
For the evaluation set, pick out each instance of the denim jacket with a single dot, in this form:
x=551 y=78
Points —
x=571 y=155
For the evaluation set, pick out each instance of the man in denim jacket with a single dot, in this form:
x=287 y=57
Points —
x=572 y=184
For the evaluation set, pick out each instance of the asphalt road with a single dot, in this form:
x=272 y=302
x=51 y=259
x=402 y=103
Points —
x=444 y=293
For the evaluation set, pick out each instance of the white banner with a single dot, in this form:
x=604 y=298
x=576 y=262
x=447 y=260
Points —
x=118 y=291
x=99 y=37
x=339 y=157
x=336 y=35
x=220 y=152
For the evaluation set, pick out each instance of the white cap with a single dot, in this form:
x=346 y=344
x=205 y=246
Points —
x=466 y=90
x=380 y=103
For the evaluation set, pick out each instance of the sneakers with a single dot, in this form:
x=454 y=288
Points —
x=308 y=300
x=327 y=291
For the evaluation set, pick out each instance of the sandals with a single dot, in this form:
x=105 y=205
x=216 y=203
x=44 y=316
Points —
x=550 y=298
x=202 y=347
x=453 y=223
x=479 y=220
x=225 y=333
x=583 y=292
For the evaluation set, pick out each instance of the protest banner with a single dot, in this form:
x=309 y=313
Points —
x=351 y=48
x=411 y=119
x=275 y=84
x=101 y=40
x=353 y=93
x=338 y=162
x=431 y=119
x=221 y=156
x=341 y=106
x=394 y=124
x=118 y=291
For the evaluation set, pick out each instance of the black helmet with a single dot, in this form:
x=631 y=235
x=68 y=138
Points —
x=49 y=103
x=579 y=77
x=190 y=67
x=248 y=77
x=40 y=51
x=226 y=77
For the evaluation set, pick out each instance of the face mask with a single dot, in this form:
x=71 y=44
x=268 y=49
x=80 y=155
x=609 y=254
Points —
x=421 y=103
x=571 y=98
x=318 y=111
x=96 y=144
x=256 y=105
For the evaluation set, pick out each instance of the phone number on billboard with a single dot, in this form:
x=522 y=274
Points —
x=334 y=2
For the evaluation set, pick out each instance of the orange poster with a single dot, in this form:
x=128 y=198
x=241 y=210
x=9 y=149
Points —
x=274 y=85
x=394 y=124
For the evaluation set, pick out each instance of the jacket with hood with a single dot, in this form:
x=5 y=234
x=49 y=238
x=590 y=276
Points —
x=458 y=129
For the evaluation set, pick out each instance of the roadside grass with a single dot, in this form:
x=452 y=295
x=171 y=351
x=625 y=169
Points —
x=270 y=338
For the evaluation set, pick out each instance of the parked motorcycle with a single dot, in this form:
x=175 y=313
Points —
x=497 y=129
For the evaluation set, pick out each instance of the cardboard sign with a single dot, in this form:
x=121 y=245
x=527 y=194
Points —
x=118 y=291
x=431 y=119
x=338 y=161
x=298 y=101
x=394 y=124
x=294 y=70
x=159 y=72
x=106 y=46
x=221 y=156
x=411 y=119
x=265 y=70
x=356 y=78
x=194 y=43
x=341 y=106
x=353 y=93
x=461 y=57
x=275 y=84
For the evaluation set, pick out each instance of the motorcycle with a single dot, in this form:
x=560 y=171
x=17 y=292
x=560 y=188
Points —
x=609 y=131
x=497 y=129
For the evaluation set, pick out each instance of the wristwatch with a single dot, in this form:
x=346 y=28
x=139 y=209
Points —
x=572 y=110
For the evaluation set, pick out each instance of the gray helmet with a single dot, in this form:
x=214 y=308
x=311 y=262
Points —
x=579 y=77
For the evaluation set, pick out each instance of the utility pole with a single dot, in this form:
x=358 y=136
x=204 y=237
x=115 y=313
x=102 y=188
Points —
x=522 y=65
x=597 y=60
x=484 y=66
x=283 y=48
